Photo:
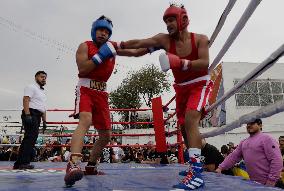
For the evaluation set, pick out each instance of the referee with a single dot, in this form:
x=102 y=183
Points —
x=34 y=103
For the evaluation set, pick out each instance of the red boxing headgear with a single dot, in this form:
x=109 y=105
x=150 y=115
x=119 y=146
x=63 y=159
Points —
x=179 y=13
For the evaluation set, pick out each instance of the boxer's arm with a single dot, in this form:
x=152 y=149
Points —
x=83 y=63
x=26 y=104
x=233 y=158
x=155 y=41
x=107 y=50
x=132 y=52
x=137 y=52
x=43 y=117
x=203 y=54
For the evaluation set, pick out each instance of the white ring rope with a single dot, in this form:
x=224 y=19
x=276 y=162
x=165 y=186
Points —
x=221 y=21
x=17 y=145
x=239 y=26
x=21 y=134
x=263 y=112
x=266 y=64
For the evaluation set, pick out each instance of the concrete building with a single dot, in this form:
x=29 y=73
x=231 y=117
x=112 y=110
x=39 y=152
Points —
x=266 y=89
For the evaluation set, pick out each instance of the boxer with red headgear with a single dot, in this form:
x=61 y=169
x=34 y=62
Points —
x=180 y=14
x=187 y=55
x=95 y=61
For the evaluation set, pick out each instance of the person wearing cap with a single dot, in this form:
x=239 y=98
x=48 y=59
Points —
x=95 y=61
x=187 y=56
x=260 y=153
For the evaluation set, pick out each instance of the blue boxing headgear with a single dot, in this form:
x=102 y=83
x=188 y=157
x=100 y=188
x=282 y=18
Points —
x=102 y=22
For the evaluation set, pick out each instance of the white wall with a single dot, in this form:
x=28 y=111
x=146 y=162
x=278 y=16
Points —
x=273 y=125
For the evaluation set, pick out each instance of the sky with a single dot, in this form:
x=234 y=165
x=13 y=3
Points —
x=44 y=35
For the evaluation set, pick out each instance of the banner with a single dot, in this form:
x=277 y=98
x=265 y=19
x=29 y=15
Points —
x=216 y=117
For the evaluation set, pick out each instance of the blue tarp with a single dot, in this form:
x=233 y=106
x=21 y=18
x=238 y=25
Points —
x=119 y=177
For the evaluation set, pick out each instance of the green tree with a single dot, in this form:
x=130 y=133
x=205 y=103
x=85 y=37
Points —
x=149 y=82
x=125 y=96
x=139 y=87
x=144 y=84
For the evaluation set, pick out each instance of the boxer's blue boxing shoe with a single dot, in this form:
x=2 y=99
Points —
x=73 y=170
x=194 y=165
x=192 y=181
x=183 y=173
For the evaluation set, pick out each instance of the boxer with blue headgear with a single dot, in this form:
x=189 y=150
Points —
x=101 y=32
x=95 y=61
x=102 y=22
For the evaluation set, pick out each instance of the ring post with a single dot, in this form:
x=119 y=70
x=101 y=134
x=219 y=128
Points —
x=159 y=127
x=180 y=147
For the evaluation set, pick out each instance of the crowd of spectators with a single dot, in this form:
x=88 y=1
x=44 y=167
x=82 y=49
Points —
x=52 y=150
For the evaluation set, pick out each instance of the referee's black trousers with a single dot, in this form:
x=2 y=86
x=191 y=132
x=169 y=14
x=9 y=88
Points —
x=30 y=136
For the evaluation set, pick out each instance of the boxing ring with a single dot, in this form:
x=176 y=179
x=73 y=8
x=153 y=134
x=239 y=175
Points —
x=118 y=177
x=136 y=176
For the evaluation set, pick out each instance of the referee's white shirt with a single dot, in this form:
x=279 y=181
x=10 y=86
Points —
x=37 y=97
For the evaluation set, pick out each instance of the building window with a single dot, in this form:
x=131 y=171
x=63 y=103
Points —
x=260 y=92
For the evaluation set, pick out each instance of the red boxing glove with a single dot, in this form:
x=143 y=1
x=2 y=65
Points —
x=171 y=61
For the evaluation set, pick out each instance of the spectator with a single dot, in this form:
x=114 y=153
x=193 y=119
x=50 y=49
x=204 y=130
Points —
x=225 y=151
x=12 y=140
x=86 y=154
x=107 y=155
x=14 y=154
x=212 y=156
x=66 y=154
x=266 y=169
x=5 y=140
x=118 y=152
x=173 y=155
x=281 y=145
x=280 y=183
x=140 y=158
x=231 y=147
x=7 y=153
x=2 y=152
x=128 y=155
x=173 y=159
